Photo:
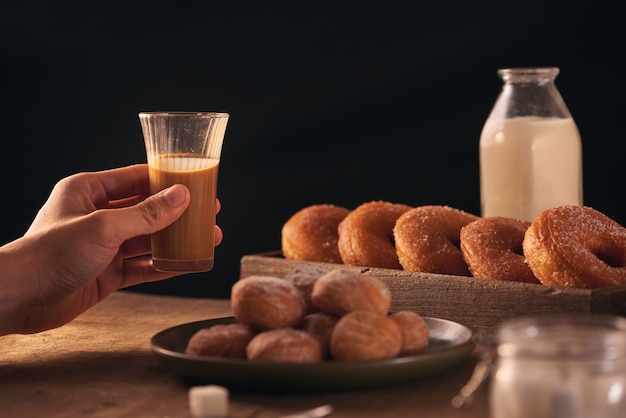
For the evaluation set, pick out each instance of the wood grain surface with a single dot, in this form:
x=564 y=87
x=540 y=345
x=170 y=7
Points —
x=101 y=365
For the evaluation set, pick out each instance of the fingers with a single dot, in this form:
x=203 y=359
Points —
x=136 y=246
x=151 y=215
x=88 y=191
x=121 y=183
x=219 y=235
x=122 y=203
x=141 y=245
x=139 y=270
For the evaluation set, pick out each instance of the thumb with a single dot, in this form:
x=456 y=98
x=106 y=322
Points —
x=155 y=212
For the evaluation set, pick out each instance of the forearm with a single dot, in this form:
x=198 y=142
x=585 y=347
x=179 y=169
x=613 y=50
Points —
x=16 y=267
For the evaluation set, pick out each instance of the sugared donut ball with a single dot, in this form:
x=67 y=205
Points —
x=365 y=335
x=576 y=246
x=366 y=235
x=284 y=345
x=221 y=340
x=304 y=278
x=415 y=332
x=428 y=239
x=492 y=248
x=264 y=302
x=320 y=325
x=341 y=291
x=311 y=233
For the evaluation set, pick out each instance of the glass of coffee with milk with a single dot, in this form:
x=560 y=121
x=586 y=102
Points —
x=185 y=148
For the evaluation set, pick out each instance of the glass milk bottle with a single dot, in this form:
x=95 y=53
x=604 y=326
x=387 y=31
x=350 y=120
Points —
x=530 y=148
x=560 y=366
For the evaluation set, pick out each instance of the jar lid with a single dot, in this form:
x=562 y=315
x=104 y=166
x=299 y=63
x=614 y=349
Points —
x=564 y=336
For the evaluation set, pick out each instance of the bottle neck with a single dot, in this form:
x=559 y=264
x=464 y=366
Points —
x=529 y=92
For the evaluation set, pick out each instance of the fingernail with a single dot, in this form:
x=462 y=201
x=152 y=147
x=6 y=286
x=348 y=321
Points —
x=175 y=195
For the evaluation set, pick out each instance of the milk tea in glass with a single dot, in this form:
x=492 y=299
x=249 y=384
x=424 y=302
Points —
x=185 y=148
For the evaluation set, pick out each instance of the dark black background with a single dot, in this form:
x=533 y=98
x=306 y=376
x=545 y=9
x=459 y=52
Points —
x=340 y=103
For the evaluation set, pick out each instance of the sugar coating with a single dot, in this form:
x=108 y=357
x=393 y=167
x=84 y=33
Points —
x=366 y=235
x=209 y=401
x=427 y=239
x=266 y=302
x=576 y=246
x=311 y=234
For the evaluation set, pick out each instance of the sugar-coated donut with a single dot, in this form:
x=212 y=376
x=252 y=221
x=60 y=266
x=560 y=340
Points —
x=366 y=235
x=428 y=238
x=576 y=246
x=492 y=248
x=264 y=302
x=415 y=332
x=341 y=291
x=320 y=325
x=284 y=345
x=311 y=233
x=365 y=335
x=221 y=340
x=304 y=277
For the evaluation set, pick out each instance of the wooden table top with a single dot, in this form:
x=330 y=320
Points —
x=101 y=365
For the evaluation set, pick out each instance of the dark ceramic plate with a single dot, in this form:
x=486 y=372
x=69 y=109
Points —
x=450 y=343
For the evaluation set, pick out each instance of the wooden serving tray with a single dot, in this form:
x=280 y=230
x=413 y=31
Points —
x=477 y=303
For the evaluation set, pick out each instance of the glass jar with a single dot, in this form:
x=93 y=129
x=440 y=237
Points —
x=530 y=148
x=562 y=366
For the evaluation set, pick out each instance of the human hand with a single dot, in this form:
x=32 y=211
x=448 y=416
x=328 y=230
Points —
x=90 y=238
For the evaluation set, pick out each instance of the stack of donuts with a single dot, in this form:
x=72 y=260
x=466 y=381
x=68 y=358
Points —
x=308 y=317
x=572 y=246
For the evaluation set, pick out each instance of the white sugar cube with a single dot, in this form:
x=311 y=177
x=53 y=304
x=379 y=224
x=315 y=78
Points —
x=208 y=401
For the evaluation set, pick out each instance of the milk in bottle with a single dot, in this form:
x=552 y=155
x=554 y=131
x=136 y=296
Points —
x=530 y=148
